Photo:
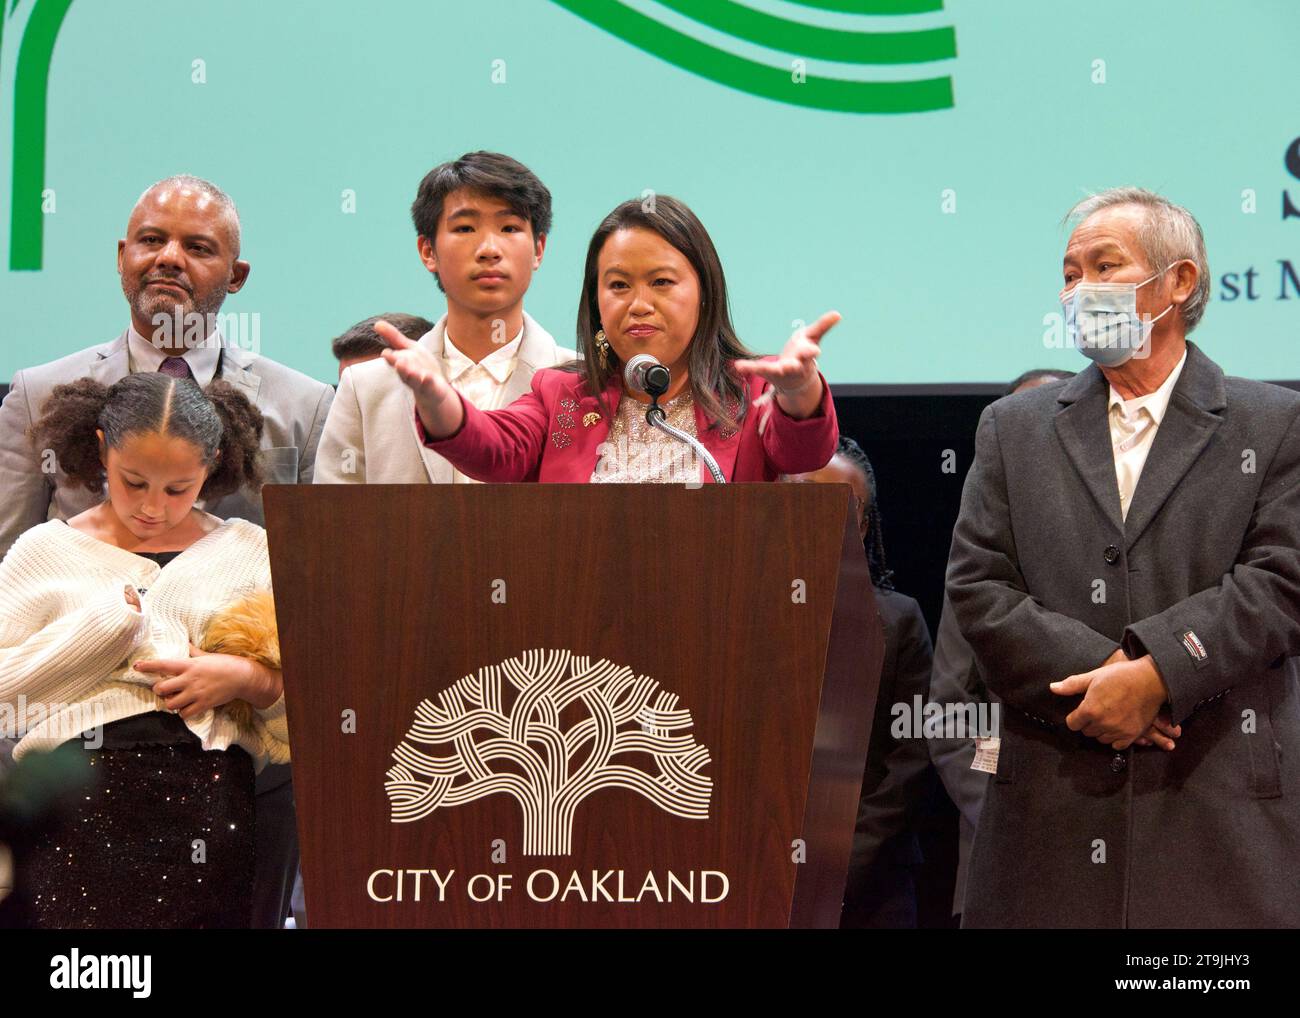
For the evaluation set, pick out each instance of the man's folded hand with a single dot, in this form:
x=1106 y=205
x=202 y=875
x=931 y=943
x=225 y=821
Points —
x=1121 y=703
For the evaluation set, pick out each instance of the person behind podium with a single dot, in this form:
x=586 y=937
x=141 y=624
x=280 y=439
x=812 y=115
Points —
x=100 y=621
x=652 y=284
x=360 y=344
x=481 y=223
x=885 y=862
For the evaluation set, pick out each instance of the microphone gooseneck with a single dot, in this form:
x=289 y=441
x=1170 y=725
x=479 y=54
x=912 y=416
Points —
x=644 y=373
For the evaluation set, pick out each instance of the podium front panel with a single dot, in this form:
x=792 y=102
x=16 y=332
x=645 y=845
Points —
x=573 y=705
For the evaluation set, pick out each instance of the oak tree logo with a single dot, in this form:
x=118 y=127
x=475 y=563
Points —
x=549 y=728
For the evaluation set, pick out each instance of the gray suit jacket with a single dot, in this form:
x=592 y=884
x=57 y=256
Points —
x=1047 y=580
x=370 y=436
x=293 y=405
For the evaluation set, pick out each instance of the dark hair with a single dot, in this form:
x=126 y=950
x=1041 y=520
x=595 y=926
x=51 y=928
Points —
x=717 y=390
x=881 y=574
x=487 y=173
x=219 y=420
x=1033 y=374
x=362 y=341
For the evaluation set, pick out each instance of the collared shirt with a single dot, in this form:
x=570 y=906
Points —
x=482 y=383
x=1133 y=426
x=142 y=355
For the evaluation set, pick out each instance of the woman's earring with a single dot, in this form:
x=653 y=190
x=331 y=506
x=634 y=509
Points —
x=602 y=349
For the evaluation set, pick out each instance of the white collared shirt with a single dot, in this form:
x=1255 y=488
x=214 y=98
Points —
x=142 y=355
x=482 y=383
x=1133 y=426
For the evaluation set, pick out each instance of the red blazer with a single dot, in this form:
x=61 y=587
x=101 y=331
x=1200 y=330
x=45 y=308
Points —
x=547 y=435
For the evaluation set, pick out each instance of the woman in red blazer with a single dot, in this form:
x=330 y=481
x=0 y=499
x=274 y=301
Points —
x=652 y=284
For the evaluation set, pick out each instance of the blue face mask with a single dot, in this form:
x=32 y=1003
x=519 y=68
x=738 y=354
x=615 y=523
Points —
x=1102 y=321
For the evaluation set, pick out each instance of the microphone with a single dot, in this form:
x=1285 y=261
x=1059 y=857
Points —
x=644 y=373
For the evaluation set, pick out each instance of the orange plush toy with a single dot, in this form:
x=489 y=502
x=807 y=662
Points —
x=245 y=628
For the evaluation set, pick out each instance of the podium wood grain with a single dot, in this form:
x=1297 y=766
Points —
x=384 y=598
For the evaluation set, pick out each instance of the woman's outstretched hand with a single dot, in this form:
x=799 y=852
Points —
x=436 y=401
x=793 y=372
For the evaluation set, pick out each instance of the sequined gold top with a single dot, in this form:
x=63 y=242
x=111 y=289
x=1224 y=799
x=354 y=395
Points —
x=636 y=453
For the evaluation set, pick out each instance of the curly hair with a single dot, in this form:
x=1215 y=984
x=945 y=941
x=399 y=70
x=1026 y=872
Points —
x=219 y=421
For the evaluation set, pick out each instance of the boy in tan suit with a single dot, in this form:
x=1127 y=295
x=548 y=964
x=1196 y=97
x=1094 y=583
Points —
x=481 y=223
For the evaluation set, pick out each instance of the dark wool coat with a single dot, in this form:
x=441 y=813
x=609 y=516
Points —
x=1047 y=580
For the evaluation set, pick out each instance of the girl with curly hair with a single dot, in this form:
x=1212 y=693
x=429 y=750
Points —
x=102 y=621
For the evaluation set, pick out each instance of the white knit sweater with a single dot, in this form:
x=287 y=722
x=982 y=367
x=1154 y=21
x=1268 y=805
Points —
x=68 y=638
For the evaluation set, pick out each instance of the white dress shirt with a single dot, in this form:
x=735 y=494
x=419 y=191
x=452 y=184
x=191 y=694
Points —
x=482 y=383
x=1133 y=426
x=142 y=355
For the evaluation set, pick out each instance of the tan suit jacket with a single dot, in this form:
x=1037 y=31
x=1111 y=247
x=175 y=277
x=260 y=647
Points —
x=370 y=437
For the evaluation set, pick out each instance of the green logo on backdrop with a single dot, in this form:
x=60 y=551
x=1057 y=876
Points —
x=31 y=84
x=790 y=82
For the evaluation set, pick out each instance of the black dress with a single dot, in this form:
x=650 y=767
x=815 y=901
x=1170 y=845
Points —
x=159 y=834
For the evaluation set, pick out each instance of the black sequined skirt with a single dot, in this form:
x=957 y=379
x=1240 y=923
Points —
x=159 y=837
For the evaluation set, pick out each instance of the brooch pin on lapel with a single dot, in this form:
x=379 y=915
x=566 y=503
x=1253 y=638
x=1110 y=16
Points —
x=561 y=439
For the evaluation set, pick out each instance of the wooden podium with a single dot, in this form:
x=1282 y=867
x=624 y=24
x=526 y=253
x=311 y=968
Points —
x=574 y=705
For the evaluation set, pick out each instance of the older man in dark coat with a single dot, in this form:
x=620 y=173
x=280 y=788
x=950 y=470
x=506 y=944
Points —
x=1126 y=567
